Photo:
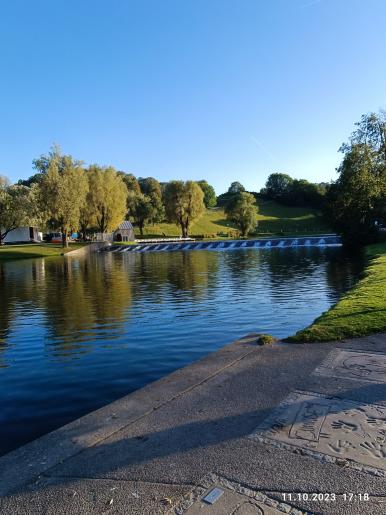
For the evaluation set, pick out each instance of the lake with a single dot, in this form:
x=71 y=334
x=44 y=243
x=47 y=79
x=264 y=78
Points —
x=78 y=333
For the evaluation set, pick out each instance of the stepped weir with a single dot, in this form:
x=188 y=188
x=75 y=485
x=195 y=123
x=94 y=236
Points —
x=327 y=240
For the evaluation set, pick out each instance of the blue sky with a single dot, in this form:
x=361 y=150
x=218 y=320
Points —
x=217 y=89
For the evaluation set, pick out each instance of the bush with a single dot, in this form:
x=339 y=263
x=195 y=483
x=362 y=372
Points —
x=266 y=339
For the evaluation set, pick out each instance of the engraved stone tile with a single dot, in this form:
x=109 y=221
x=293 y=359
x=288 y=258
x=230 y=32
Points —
x=235 y=500
x=344 y=431
x=357 y=365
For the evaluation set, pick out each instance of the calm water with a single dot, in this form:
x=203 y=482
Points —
x=77 y=334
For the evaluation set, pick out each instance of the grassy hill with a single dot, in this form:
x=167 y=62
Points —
x=273 y=218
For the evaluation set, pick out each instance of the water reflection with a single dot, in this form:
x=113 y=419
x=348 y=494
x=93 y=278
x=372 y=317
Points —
x=78 y=333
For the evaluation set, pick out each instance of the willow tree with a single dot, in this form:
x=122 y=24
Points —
x=107 y=197
x=242 y=211
x=140 y=209
x=63 y=189
x=184 y=203
x=17 y=207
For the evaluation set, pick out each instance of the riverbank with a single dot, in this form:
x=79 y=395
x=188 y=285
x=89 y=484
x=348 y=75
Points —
x=213 y=424
x=361 y=311
x=36 y=250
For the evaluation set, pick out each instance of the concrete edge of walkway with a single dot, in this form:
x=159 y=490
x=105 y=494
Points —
x=86 y=249
x=27 y=463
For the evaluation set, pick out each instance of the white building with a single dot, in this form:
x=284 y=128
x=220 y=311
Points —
x=24 y=235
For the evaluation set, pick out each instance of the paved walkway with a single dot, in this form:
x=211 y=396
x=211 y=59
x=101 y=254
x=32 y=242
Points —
x=285 y=428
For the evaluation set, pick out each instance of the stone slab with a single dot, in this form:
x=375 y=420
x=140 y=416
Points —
x=53 y=496
x=355 y=365
x=37 y=457
x=235 y=500
x=343 y=431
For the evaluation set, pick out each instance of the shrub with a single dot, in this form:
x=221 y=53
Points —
x=266 y=339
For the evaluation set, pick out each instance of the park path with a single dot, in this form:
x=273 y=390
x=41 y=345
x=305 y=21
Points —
x=286 y=428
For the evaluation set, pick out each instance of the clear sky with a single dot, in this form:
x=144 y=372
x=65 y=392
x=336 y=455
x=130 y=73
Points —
x=217 y=89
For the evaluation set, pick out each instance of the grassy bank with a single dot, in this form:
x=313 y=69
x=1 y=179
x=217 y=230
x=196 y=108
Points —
x=361 y=311
x=34 y=250
x=273 y=218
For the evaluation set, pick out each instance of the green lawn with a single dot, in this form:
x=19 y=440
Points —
x=360 y=312
x=273 y=218
x=33 y=250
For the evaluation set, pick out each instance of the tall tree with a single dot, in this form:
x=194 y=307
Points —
x=184 y=203
x=236 y=187
x=18 y=207
x=356 y=200
x=210 y=199
x=242 y=211
x=152 y=189
x=108 y=194
x=42 y=163
x=278 y=186
x=140 y=209
x=131 y=182
x=63 y=191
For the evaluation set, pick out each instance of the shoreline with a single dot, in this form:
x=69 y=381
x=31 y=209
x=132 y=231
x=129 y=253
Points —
x=361 y=311
x=149 y=451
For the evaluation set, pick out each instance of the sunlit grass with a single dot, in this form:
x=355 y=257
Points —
x=360 y=312
x=34 y=250
x=273 y=218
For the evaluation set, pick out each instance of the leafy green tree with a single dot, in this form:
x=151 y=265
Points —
x=184 y=203
x=242 y=211
x=210 y=199
x=354 y=200
x=131 y=182
x=152 y=189
x=278 y=186
x=63 y=191
x=371 y=131
x=18 y=207
x=236 y=187
x=107 y=197
x=62 y=161
x=140 y=209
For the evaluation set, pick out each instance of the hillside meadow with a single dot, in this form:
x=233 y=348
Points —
x=273 y=218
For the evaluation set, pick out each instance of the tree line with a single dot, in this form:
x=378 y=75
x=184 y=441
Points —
x=66 y=195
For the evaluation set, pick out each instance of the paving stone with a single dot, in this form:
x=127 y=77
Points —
x=231 y=499
x=346 y=432
x=354 y=364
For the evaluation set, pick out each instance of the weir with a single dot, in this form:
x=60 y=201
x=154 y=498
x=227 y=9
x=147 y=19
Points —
x=327 y=240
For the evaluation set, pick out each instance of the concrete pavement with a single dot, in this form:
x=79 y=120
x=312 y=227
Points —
x=287 y=428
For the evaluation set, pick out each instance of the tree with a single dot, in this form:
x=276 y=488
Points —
x=184 y=203
x=140 y=209
x=152 y=189
x=278 y=186
x=236 y=187
x=355 y=202
x=63 y=191
x=242 y=211
x=42 y=163
x=210 y=199
x=108 y=194
x=371 y=131
x=17 y=207
x=131 y=182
